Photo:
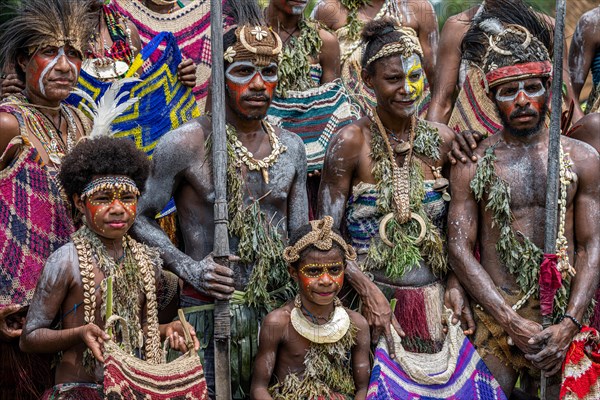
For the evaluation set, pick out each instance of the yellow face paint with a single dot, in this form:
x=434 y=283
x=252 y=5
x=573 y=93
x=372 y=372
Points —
x=415 y=78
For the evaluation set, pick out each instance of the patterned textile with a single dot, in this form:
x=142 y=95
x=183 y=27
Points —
x=316 y=72
x=74 y=391
x=362 y=216
x=465 y=376
x=593 y=102
x=595 y=68
x=314 y=115
x=419 y=312
x=33 y=219
x=164 y=103
x=190 y=26
x=473 y=110
x=581 y=368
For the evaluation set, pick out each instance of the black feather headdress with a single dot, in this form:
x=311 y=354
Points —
x=40 y=23
x=508 y=33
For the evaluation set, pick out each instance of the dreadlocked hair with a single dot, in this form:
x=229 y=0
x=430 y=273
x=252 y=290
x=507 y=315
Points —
x=38 y=22
x=305 y=230
x=377 y=33
x=495 y=20
x=100 y=157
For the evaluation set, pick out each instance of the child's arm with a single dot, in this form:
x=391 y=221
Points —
x=271 y=334
x=361 y=365
x=53 y=287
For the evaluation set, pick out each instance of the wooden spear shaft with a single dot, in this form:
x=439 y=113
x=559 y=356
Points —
x=554 y=152
x=222 y=328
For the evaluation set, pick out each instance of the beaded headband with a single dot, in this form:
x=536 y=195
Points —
x=122 y=183
x=407 y=45
x=258 y=44
x=322 y=237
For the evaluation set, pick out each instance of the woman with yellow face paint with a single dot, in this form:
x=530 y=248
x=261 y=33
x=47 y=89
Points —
x=384 y=180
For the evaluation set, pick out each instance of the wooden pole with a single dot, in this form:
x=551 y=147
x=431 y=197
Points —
x=222 y=328
x=554 y=152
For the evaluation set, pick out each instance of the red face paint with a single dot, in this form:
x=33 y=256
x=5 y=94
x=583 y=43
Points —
x=110 y=213
x=52 y=72
x=250 y=88
x=321 y=276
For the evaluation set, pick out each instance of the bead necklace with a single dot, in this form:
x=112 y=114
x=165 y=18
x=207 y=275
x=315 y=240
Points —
x=247 y=158
x=51 y=136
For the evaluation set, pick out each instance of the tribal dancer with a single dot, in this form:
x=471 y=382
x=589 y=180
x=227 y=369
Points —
x=584 y=54
x=310 y=99
x=498 y=205
x=103 y=178
x=472 y=110
x=45 y=41
x=314 y=347
x=383 y=181
x=346 y=18
x=266 y=181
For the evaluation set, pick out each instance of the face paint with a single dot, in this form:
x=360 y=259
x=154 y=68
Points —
x=510 y=93
x=250 y=88
x=45 y=59
x=110 y=213
x=321 y=276
x=415 y=78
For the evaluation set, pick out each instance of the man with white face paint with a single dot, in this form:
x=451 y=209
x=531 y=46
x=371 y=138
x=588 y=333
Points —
x=45 y=42
x=383 y=182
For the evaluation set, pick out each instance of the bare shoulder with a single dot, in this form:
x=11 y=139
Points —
x=329 y=39
x=184 y=143
x=328 y=12
x=585 y=158
x=351 y=137
x=359 y=321
x=446 y=133
x=278 y=319
x=293 y=142
x=587 y=129
x=61 y=265
x=9 y=129
x=589 y=23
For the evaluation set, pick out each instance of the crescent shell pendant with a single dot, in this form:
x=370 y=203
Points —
x=389 y=216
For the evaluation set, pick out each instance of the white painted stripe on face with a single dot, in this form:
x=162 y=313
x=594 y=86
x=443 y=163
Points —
x=51 y=64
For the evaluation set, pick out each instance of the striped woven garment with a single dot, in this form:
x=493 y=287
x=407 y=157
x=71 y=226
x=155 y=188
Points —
x=457 y=373
x=189 y=25
x=314 y=115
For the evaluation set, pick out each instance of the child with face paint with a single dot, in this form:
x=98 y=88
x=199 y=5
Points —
x=104 y=178
x=313 y=346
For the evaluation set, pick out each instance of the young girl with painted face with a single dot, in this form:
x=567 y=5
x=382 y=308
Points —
x=314 y=346
x=103 y=178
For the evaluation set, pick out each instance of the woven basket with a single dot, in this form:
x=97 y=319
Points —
x=128 y=377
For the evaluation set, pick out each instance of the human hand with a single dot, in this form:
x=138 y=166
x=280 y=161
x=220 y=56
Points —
x=10 y=84
x=456 y=299
x=520 y=330
x=210 y=278
x=376 y=310
x=463 y=145
x=186 y=73
x=555 y=341
x=11 y=325
x=176 y=335
x=94 y=338
x=314 y=173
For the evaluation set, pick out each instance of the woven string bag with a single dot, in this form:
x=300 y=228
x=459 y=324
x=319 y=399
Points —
x=129 y=378
x=456 y=372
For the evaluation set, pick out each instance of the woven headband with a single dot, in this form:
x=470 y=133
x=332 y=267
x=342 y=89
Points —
x=122 y=183
x=321 y=237
x=515 y=72
x=407 y=45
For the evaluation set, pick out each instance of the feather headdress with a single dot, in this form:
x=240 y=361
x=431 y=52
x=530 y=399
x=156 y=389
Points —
x=39 y=23
x=108 y=107
x=509 y=33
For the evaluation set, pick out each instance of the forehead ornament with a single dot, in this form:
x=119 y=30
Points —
x=120 y=183
x=258 y=44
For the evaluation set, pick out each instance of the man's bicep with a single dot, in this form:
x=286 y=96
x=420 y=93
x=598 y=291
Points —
x=587 y=204
x=463 y=211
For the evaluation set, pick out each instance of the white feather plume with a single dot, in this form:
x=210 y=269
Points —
x=492 y=26
x=107 y=109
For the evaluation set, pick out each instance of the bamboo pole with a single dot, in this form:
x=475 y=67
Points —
x=222 y=328
x=554 y=153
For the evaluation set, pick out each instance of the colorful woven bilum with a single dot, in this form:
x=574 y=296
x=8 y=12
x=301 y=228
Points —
x=163 y=105
x=189 y=25
x=456 y=372
x=473 y=109
x=314 y=115
x=581 y=368
x=127 y=377
x=33 y=223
